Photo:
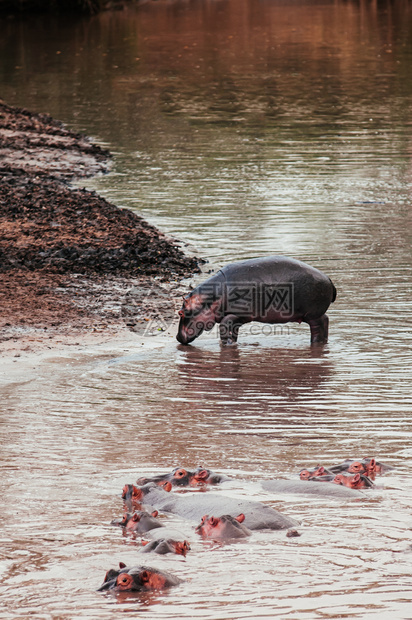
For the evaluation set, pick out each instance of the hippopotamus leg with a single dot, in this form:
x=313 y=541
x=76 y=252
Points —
x=319 y=329
x=229 y=328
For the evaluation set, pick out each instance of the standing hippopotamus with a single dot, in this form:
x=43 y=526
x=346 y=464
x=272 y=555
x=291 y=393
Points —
x=273 y=289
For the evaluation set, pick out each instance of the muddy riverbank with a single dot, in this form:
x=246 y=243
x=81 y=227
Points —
x=70 y=262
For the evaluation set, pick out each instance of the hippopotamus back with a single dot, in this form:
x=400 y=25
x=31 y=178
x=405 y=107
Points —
x=258 y=516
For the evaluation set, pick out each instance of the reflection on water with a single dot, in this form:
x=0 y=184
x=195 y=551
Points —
x=244 y=128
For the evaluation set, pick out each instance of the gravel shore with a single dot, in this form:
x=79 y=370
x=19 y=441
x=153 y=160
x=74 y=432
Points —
x=71 y=262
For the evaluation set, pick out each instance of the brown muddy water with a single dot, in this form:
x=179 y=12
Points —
x=244 y=128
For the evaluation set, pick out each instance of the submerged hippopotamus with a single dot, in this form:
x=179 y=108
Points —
x=309 y=487
x=355 y=481
x=133 y=496
x=140 y=521
x=182 y=477
x=137 y=579
x=273 y=289
x=166 y=545
x=367 y=466
x=317 y=472
x=165 y=539
x=223 y=528
x=258 y=516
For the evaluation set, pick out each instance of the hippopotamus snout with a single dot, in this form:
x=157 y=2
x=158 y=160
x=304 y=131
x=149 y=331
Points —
x=187 y=332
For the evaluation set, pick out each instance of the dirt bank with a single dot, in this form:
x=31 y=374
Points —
x=70 y=261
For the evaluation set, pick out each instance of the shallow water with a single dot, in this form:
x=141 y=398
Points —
x=244 y=129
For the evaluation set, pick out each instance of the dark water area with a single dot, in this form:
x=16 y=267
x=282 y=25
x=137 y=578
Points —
x=243 y=128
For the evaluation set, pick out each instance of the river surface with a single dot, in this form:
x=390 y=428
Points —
x=243 y=128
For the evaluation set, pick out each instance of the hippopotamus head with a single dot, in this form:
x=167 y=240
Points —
x=137 y=579
x=223 y=527
x=183 y=477
x=166 y=545
x=178 y=477
x=200 y=311
x=133 y=496
x=357 y=467
x=139 y=521
x=318 y=471
x=206 y=476
x=357 y=481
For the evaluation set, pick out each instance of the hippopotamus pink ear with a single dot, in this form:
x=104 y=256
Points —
x=240 y=518
x=122 y=565
x=202 y=473
x=356 y=478
x=136 y=493
x=155 y=513
x=135 y=517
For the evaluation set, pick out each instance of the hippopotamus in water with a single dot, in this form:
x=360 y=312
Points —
x=258 y=516
x=356 y=481
x=137 y=579
x=140 y=521
x=368 y=466
x=273 y=289
x=224 y=527
x=307 y=487
x=183 y=478
x=166 y=545
x=316 y=472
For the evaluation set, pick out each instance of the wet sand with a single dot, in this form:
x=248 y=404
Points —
x=73 y=266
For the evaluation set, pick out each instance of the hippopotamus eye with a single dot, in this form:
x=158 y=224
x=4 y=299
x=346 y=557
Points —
x=125 y=580
x=180 y=473
x=181 y=313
